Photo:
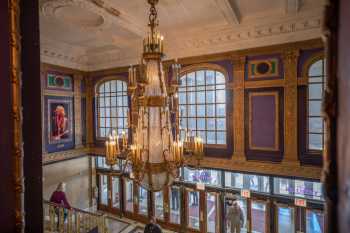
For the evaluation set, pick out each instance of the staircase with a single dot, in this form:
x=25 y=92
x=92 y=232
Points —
x=58 y=219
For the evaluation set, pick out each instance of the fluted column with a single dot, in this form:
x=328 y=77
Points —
x=89 y=113
x=238 y=107
x=290 y=60
x=77 y=111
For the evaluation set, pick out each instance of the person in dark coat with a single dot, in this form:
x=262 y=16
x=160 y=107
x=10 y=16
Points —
x=153 y=227
x=59 y=197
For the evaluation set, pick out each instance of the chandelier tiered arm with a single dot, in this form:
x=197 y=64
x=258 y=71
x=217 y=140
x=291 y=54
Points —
x=156 y=152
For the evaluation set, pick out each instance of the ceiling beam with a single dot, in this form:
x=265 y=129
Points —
x=120 y=18
x=292 y=7
x=230 y=11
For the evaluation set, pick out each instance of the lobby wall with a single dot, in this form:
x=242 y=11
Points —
x=278 y=91
x=76 y=174
x=66 y=158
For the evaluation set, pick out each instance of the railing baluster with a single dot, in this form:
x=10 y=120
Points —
x=70 y=221
x=61 y=219
x=78 y=221
x=52 y=218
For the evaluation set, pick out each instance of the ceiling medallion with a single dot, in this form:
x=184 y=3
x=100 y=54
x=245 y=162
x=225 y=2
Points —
x=79 y=13
x=155 y=152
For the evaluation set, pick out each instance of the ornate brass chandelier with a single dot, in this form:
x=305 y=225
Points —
x=156 y=152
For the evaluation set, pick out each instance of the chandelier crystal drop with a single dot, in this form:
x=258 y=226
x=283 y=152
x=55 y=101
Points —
x=156 y=152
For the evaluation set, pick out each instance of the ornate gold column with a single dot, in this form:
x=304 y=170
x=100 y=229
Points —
x=238 y=107
x=89 y=113
x=77 y=111
x=290 y=60
x=16 y=114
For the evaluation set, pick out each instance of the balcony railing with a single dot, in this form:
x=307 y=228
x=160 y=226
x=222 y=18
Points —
x=63 y=220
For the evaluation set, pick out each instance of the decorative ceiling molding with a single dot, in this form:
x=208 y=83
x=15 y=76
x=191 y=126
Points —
x=230 y=11
x=52 y=8
x=106 y=49
x=292 y=6
x=109 y=9
x=108 y=15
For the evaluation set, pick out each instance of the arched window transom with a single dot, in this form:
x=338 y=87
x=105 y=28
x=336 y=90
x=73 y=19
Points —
x=112 y=107
x=202 y=105
x=315 y=122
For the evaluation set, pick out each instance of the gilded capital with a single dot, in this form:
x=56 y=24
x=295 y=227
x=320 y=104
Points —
x=239 y=63
x=290 y=55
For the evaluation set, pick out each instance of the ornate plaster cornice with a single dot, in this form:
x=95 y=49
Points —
x=207 y=40
x=64 y=155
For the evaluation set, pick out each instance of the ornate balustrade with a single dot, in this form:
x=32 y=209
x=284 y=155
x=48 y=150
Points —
x=63 y=220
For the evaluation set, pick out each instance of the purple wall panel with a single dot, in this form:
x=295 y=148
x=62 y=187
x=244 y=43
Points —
x=263 y=121
x=264 y=125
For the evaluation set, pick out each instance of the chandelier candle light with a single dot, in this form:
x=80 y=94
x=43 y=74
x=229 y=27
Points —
x=156 y=152
x=112 y=149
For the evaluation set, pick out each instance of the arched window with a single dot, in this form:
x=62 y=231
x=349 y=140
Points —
x=202 y=105
x=111 y=107
x=315 y=124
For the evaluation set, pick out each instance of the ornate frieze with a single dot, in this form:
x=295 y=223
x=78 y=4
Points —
x=64 y=155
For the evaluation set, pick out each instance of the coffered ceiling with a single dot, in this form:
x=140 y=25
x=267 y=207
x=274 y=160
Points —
x=100 y=34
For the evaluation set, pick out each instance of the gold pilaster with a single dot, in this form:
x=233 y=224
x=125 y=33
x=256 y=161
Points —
x=77 y=111
x=89 y=113
x=290 y=59
x=238 y=107
x=16 y=114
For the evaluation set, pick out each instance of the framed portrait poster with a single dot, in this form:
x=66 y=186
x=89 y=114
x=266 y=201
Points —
x=59 y=123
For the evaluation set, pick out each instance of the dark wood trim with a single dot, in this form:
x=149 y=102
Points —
x=32 y=117
x=7 y=192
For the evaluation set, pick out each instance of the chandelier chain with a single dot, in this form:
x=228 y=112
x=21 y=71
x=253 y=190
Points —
x=153 y=17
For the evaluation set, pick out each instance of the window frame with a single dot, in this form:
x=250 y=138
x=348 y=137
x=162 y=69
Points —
x=102 y=81
x=308 y=99
x=213 y=150
x=308 y=156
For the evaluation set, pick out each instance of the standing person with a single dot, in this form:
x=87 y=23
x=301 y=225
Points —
x=152 y=226
x=59 y=197
x=234 y=216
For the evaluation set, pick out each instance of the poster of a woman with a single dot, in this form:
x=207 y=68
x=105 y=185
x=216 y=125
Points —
x=60 y=129
x=60 y=121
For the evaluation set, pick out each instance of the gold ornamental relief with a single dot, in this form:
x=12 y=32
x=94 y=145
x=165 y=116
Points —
x=15 y=76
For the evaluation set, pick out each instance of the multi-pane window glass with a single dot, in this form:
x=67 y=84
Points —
x=129 y=195
x=298 y=188
x=158 y=205
x=112 y=108
x=207 y=176
x=101 y=164
x=314 y=221
x=104 y=190
x=316 y=87
x=202 y=106
x=246 y=181
x=143 y=201
x=175 y=204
